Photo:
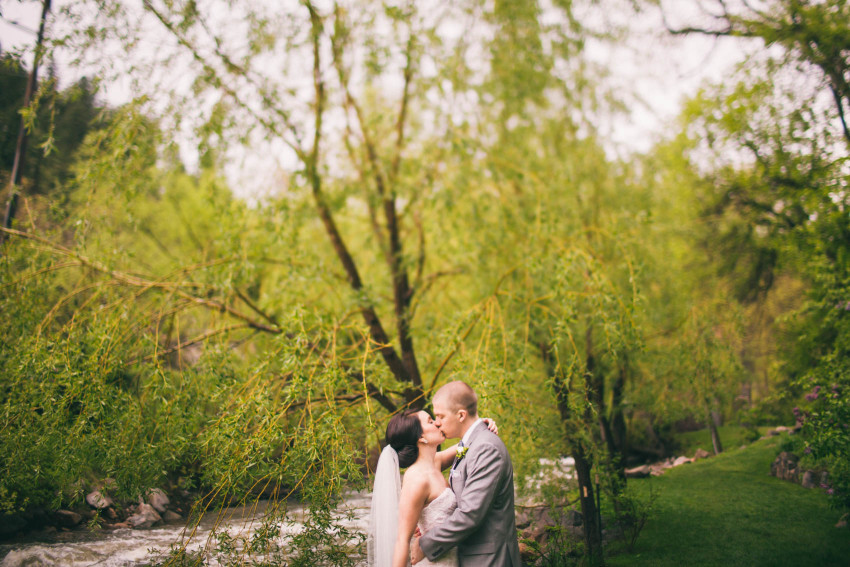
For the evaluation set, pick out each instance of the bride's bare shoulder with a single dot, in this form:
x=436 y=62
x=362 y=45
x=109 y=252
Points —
x=414 y=485
x=415 y=474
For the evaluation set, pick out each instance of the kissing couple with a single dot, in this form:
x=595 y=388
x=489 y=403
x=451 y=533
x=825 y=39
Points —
x=425 y=520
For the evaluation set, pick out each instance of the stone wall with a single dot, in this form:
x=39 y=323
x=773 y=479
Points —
x=787 y=467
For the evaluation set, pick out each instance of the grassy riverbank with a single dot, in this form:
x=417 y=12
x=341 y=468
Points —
x=728 y=511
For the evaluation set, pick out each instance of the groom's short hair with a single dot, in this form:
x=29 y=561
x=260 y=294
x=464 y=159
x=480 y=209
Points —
x=459 y=395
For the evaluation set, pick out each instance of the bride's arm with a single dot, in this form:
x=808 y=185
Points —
x=446 y=456
x=414 y=494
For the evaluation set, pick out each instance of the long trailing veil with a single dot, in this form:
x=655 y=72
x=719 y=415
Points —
x=383 y=520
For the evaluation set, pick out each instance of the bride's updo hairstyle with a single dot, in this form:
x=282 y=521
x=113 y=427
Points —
x=403 y=433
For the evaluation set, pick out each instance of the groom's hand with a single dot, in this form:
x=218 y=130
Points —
x=416 y=554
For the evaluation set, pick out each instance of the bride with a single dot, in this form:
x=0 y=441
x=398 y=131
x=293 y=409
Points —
x=424 y=498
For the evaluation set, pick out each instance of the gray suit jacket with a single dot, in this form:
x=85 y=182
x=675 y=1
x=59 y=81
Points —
x=483 y=527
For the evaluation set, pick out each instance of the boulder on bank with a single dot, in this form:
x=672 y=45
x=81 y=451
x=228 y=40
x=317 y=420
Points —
x=701 y=454
x=541 y=515
x=157 y=498
x=533 y=521
x=11 y=523
x=809 y=480
x=66 y=518
x=642 y=471
x=170 y=516
x=785 y=466
x=98 y=500
x=144 y=517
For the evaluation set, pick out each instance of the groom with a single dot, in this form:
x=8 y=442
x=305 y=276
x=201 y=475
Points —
x=483 y=526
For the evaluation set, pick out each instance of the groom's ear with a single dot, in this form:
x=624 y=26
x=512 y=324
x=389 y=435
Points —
x=461 y=415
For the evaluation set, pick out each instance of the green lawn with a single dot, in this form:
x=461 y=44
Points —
x=728 y=511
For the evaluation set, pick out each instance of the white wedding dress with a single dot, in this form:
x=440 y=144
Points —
x=436 y=512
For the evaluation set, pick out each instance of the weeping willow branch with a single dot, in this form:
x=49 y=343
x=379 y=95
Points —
x=145 y=284
x=199 y=339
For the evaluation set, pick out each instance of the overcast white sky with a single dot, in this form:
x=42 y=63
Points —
x=660 y=70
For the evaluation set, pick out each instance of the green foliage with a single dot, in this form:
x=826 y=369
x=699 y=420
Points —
x=68 y=417
x=632 y=510
x=322 y=540
x=560 y=549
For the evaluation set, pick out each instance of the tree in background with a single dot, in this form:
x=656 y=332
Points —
x=25 y=123
x=773 y=148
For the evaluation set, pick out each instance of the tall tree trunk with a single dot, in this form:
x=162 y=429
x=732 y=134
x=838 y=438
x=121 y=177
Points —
x=613 y=429
x=21 y=147
x=618 y=420
x=715 y=435
x=583 y=459
x=592 y=529
x=596 y=390
x=404 y=368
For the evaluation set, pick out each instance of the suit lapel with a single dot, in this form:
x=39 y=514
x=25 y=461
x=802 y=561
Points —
x=459 y=468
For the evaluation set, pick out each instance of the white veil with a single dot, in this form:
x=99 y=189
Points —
x=383 y=521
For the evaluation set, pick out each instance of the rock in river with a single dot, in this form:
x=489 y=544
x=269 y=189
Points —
x=145 y=517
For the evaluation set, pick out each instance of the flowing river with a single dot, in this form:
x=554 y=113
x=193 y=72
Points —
x=130 y=548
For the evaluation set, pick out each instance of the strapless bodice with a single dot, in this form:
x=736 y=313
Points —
x=436 y=512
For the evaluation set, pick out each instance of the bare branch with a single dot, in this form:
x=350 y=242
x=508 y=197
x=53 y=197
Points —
x=376 y=329
x=839 y=103
x=318 y=83
x=222 y=83
x=401 y=286
x=420 y=263
x=253 y=306
x=377 y=230
x=402 y=114
x=18 y=25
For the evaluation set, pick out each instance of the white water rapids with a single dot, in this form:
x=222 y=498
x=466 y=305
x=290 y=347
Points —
x=130 y=548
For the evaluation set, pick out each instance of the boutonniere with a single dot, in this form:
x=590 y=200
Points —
x=461 y=453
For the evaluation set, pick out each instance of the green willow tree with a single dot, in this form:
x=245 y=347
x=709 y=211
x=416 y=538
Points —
x=373 y=166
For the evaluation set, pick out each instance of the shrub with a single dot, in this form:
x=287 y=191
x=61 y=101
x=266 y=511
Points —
x=825 y=416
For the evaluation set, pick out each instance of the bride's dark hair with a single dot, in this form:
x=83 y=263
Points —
x=403 y=433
